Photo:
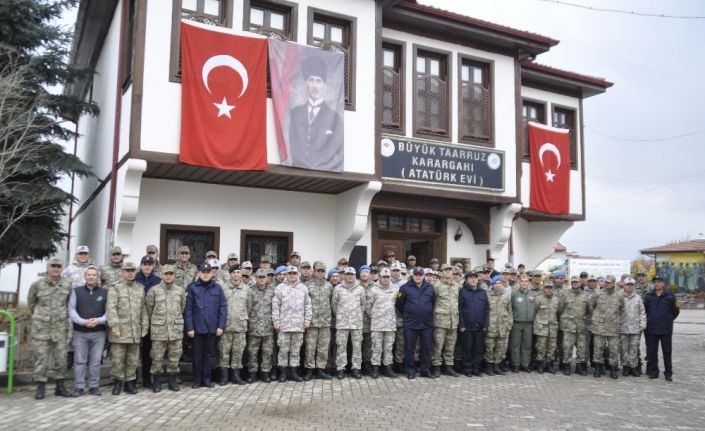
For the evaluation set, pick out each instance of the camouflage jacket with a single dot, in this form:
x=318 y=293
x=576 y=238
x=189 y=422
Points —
x=607 y=309
x=366 y=318
x=633 y=319
x=643 y=289
x=127 y=312
x=165 y=307
x=588 y=319
x=291 y=307
x=320 y=293
x=260 y=322
x=239 y=306
x=380 y=307
x=185 y=274
x=445 y=312
x=546 y=315
x=501 y=319
x=573 y=308
x=348 y=304
x=74 y=273
x=110 y=274
x=48 y=301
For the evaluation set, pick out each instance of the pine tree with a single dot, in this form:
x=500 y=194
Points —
x=34 y=55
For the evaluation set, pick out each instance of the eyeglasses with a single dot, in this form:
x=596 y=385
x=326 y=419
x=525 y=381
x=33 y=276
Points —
x=55 y=265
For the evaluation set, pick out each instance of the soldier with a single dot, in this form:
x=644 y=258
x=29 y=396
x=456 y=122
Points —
x=291 y=315
x=633 y=322
x=347 y=305
x=146 y=277
x=390 y=256
x=47 y=301
x=591 y=289
x=457 y=276
x=499 y=327
x=260 y=332
x=74 y=272
x=165 y=304
x=435 y=264
x=185 y=270
x=153 y=252
x=110 y=273
x=415 y=302
x=522 y=329
x=234 y=338
x=546 y=328
x=295 y=259
x=317 y=337
x=396 y=279
x=489 y=265
x=265 y=262
x=380 y=307
x=445 y=323
x=642 y=286
x=583 y=280
x=573 y=309
x=342 y=264
x=558 y=278
x=473 y=321
x=607 y=307
x=128 y=323
x=366 y=282
x=231 y=261
x=305 y=272
x=411 y=261
x=661 y=310
x=279 y=276
x=536 y=282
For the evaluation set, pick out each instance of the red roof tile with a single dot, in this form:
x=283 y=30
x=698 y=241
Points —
x=684 y=246
x=528 y=64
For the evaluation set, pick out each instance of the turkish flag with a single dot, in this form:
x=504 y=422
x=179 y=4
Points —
x=550 y=169
x=223 y=99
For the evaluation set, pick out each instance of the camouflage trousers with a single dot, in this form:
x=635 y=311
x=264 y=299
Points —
x=367 y=346
x=289 y=348
x=341 y=346
x=443 y=346
x=317 y=342
x=173 y=349
x=611 y=343
x=49 y=356
x=125 y=356
x=399 y=346
x=629 y=349
x=495 y=348
x=546 y=347
x=577 y=340
x=254 y=344
x=382 y=345
x=232 y=346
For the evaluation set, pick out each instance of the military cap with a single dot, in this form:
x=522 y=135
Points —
x=583 y=274
x=261 y=273
x=211 y=253
x=246 y=265
x=292 y=268
x=403 y=271
x=342 y=261
x=427 y=271
x=446 y=266
x=151 y=249
x=364 y=268
x=168 y=269
x=547 y=282
x=402 y=265
x=610 y=278
x=472 y=273
x=373 y=268
x=592 y=277
x=246 y=272
x=234 y=268
x=381 y=262
x=265 y=259
x=395 y=266
x=184 y=249
x=411 y=257
x=232 y=256
x=657 y=278
x=641 y=272
x=269 y=271
x=128 y=265
x=54 y=261
x=214 y=263
x=204 y=267
x=385 y=272
x=457 y=270
x=535 y=273
x=319 y=265
x=115 y=250
x=485 y=269
x=478 y=269
x=625 y=275
x=434 y=260
x=91 y=267
x=82 y=249
x=418 y=271
x=390 y=253
x=495 y=279
x=349 y=270
x=295 y=253
x=629 y=280
x=305 y=264
x=574 y=278
x=280 y=269
x=147 y=260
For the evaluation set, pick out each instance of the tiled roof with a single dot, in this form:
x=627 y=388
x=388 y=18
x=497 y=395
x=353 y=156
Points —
x=684 y=246
x=528 y=64
x=560 y=247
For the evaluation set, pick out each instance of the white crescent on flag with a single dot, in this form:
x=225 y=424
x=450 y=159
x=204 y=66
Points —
x=552 y=149
x=226 y=61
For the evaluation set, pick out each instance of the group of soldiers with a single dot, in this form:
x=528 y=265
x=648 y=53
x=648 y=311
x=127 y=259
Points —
x=256 y=324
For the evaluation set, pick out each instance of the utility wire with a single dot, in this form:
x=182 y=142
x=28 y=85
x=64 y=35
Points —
x=625 y=12
x=661 y=139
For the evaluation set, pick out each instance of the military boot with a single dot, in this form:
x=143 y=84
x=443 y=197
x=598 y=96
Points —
x=581 y=369
x=389 y=372
x=321 y=374
x=539 y=367
x=224 y=376
x=39 y=393
x=551 y=367
x=295 y=374
x=566 y=369
x=173 y=384
x=282 y=374
x=356 y=373
x=308 y=374
x=252 y=377
x=375 y=371
x=273 y=372
x=60 y=390
x=449 y=371
x=497 y=369
x=599 y=370
x=131 y=387
x=366 y=367
x=436 y=371
x=626 y=371
x=117 y=387
x=341 y=374
x=489 y=369
x=266 y=377
x=614 y=372
x=156 y=383
x=236 y=377
x=636 y=371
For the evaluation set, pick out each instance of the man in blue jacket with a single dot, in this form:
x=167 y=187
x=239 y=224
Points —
x=661 y=310
x=474 y=319
x=147 y=278
x=415 y=302
x=204 y=319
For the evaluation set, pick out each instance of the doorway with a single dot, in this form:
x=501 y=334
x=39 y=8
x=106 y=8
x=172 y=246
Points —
x=423 y=237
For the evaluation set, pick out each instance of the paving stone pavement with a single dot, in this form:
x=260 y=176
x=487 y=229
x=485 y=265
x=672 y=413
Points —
x=512 y=402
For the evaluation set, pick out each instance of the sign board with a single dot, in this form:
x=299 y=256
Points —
x=435 y=163
x=600 y=267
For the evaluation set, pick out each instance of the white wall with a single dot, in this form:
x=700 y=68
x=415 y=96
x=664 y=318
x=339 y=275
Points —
x=503 y=98
x=550 y=99
x=466 y=246
x=535 y=241
x=161 y=103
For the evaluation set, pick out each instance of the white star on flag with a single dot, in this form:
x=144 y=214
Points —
x=549 y=176
x=224 y=108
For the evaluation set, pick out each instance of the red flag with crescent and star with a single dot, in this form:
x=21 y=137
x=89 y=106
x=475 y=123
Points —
x=223 y=99
x=550 y=169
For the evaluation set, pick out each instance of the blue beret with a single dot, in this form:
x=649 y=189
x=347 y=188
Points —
x=495 y=279
x=280 y=269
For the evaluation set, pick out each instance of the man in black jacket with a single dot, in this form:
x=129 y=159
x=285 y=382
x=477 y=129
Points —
x=474 y=319
x=415 y=302
x=661 y=310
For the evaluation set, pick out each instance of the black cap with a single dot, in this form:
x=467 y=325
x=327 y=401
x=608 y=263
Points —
x=583 y=274
x=204 y=267
x=234 y=268
x=471 y=274
x=147 y=260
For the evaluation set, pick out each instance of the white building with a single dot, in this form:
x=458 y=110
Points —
x=416 y=75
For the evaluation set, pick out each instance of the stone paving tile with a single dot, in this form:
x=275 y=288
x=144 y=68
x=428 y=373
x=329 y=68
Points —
x=512 y=402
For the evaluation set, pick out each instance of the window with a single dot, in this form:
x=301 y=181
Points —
x=431 y=101
x=271 y=18
x=199 y=240
x=565 y=119
x=276 y=245
x=128 y=46
x=336 y=32
x=213 y=12
x=475 y=102
x=531 y=111
x=407 y=224
x=392 y=86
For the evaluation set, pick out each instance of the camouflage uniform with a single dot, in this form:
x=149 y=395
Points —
x=234 y=338
x=318 y=334
x=573 y=309
x=500 y=325
x=291 y=310
x=445 y=322
x=261 y=331
x=128 y=323
x=348 y=304
x=366 y=331
x=380 y=308
x=47 y=301
x=110 y=274
x=643 y=289
x=185 y=274
x=607 y=307
x=633 y=322
x=546 y=327
x=165 y=305
x=74 y=273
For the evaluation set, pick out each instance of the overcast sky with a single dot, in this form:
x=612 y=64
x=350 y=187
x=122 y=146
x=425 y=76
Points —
x=639 y=194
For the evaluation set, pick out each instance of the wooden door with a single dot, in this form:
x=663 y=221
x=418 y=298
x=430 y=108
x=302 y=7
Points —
x=395 y=245
x=423 y=251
